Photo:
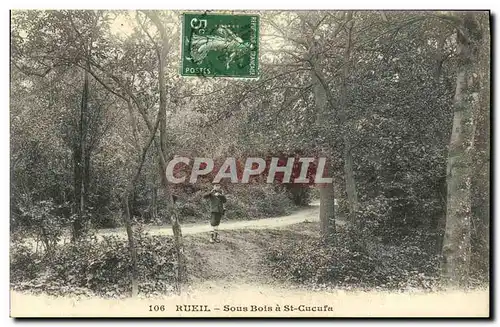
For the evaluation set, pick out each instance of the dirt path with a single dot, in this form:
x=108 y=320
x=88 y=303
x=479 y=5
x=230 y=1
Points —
x=238 y=259
x=309 y=214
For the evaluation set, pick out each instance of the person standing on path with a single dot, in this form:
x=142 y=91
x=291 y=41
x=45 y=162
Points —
x=217 y=199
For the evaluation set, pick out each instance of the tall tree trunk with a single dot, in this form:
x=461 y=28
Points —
x=481 y=176
x=127 y=216
x=86 y=173
x=327 y=212
x=324 y=101
x=350 y=182
x=162 y=52
x=154 y=201
x=127 y=219
x=326 y=191
x=480 y=188
x=133 y=124
x=457 y=238
x=79 y=162
x=77 y=182
x=437 y=223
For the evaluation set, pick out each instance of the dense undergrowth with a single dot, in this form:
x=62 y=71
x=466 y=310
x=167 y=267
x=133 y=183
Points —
x=305 y=259
x=91 y=267
x=295 y=255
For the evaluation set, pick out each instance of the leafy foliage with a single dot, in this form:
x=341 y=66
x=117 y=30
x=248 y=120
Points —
x=95 y=267
x=43 y=221
x=407 y=265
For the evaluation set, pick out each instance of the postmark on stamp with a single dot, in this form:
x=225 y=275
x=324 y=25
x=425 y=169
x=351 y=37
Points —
x=217 y=45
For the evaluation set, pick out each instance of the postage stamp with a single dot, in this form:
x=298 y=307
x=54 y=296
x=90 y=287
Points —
x=216 y=45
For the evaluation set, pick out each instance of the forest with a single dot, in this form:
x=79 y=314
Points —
x=398 y=101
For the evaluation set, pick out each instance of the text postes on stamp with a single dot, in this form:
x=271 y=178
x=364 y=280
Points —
x=220 y=45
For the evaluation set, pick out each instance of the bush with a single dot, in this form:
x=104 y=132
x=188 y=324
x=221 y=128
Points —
x=379 y=266
x=243 y=202
x=258 y=201
x=99 y=267
x=25 y=264
x=266 y=202
x=42 y=220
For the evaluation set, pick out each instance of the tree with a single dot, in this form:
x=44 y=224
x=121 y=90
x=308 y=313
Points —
x=457 y=238
x=480 y=188
x=162 y=51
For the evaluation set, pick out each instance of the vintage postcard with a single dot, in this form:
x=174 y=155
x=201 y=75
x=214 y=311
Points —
x=226 y=163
